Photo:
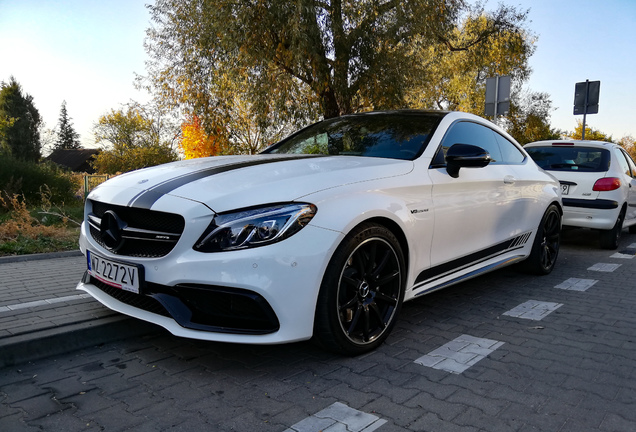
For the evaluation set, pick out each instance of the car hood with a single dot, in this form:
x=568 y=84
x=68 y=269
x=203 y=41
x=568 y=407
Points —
x=229 y=182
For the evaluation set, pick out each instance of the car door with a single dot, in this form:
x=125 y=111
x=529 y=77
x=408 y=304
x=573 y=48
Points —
x=477 y=214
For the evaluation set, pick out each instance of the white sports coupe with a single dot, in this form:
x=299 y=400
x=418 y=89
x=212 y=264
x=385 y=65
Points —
x=322 y=235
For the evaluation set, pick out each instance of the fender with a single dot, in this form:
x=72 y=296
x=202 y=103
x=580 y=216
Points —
x=408 y=207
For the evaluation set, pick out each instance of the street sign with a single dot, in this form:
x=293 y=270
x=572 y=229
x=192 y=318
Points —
x=586 y=97
x=497 y=96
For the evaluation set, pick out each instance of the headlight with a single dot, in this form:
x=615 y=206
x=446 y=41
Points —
x=254 y=227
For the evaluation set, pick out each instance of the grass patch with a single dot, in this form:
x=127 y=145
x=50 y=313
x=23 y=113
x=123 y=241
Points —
x=41 y=229
x=23 y=245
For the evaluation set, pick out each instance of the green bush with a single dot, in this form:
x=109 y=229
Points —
x=27 y=178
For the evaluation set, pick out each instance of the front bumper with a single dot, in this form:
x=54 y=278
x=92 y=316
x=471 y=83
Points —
x=264 y=295
x=200 y=307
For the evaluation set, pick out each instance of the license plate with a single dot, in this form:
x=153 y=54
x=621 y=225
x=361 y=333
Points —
x=565 y=189
x=114 y=273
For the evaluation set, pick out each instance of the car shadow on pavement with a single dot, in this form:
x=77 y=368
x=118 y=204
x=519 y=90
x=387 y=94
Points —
x=589 y=238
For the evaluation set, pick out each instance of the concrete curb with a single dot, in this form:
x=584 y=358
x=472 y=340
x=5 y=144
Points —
x=81 y=330
x=52 y=341
x=41 y=256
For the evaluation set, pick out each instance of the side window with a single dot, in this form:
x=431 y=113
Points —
x=469 y=133
x=509 y=152
x=630 y=162
x=623 y=162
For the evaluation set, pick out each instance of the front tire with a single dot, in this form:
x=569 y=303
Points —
x=361 y=292
x=547 y=242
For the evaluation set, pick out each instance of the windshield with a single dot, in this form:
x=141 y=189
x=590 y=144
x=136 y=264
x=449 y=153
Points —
x=555 y=158
x=384 y=135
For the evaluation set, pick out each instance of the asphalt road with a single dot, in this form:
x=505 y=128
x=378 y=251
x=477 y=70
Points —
x=502 y=352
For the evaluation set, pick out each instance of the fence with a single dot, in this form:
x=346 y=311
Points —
x=92 y=181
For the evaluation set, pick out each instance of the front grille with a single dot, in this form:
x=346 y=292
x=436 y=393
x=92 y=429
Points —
x=201 y=307
x=145 y=233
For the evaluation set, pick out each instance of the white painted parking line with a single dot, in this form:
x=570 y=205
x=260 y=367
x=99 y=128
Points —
x=459 y=354
x=604 y=267
x=338 y=417
x=533 y=310
x=622 y=255
x=44 y=302
x=576 y=284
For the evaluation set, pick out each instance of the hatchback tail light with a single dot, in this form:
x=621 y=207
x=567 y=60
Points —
x=607 y=184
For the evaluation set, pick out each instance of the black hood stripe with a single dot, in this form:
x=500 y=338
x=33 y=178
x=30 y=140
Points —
x=145 y=199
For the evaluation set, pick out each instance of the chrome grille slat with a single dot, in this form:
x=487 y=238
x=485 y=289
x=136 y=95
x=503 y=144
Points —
x=147 y=233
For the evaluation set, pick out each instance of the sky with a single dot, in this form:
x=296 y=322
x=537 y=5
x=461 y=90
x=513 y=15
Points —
x=84 y=52
x=88 y=52
x=580 y=40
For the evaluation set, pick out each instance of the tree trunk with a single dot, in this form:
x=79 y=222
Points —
x=329 y=104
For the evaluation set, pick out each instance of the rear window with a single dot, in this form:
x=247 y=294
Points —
x=555 y=158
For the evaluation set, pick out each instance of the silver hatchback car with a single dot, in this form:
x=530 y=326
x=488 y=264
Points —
x=598 y=184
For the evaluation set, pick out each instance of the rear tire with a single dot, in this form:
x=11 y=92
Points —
x=362 y=291
x=545 y=248
x=611 y=238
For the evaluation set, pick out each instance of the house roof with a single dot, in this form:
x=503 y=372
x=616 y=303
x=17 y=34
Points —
x=74 y=159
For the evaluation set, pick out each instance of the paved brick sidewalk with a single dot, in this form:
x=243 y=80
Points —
x=565 y=369
x=41 y=312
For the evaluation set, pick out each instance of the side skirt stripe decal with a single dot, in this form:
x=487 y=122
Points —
x=147 y=198
x=430 y=275
x=472 y=274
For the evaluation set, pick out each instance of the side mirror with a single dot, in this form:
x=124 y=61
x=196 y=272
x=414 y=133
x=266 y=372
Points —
x=465 y=156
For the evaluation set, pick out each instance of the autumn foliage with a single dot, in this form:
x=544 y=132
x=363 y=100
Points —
x=133 y=137
x=195 y=143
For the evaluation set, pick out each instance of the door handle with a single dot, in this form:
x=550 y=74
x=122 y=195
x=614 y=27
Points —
x=509 y=179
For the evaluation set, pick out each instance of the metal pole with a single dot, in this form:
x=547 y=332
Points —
x=496 y=97
x=587 y=91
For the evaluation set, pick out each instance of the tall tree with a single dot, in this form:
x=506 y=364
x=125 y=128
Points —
x=480 y=46
x=133 y=137
x=67 y=137
x=529 y=117
x=196 y=143
x=19 y=122
x=300 y=59
x=5 y=123
x=629 y=143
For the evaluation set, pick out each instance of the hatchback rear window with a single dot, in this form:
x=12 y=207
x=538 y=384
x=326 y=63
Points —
x=586 y=159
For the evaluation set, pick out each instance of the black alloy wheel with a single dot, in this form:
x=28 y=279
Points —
x=362 y=291
x=547 y=242
x=368 y=290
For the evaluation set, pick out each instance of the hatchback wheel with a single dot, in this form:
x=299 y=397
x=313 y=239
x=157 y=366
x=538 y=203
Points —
x=362 y=291
x=610 y=238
